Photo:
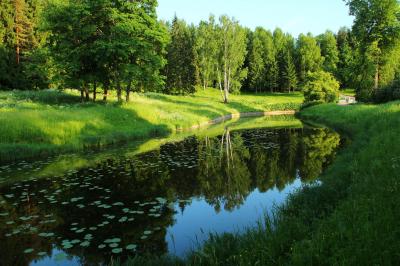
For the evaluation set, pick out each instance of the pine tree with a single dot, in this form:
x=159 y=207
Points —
x=257 y=61
x=289 y=74
x=23 y=27
x=181 y=67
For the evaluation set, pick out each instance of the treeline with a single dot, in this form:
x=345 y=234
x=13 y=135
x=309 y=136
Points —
x=121 y=45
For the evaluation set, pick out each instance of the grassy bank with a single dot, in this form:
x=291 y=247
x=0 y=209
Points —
x=351 y=218
x=49 y=122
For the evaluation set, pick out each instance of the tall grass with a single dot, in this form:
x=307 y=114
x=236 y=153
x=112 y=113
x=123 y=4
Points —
x=350 y=218
x=48 y=122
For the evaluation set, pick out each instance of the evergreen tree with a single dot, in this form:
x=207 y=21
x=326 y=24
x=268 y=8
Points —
x=181 y=66
x=289 y=75
x=19 y=42
x=346 y=47
x=23 y=28
x=257 y=65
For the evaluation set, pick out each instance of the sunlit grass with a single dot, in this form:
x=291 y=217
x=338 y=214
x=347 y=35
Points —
x=47 y=122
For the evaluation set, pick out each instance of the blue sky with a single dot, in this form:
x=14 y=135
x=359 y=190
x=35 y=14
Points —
x=293 y=16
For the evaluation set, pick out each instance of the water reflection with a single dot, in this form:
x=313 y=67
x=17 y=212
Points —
x=125 y=204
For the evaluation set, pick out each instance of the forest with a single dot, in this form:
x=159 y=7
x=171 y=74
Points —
x=121 y=46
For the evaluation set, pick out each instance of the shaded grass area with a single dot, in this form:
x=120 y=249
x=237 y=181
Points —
x=48 y=122
x=350 y=218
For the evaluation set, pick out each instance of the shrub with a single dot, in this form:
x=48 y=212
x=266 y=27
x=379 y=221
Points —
x=321 y=87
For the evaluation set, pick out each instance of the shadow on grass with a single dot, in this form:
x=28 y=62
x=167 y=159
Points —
x=209 y=110
x=44 y=133
x=50 y=97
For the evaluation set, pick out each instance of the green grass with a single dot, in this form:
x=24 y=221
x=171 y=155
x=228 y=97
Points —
x=43 y=123
x=351 y=218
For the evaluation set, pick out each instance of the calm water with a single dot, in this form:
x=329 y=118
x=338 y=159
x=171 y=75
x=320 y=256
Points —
x=166 y=200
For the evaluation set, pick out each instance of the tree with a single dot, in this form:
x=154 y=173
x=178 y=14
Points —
x=19 y=41
x=377 y=29
x=181 y=66
x=23 y=27
x=233 y=44
x=116 y=43
x=257 y=64
x=289 y=75
x=285 y=53
x=263 y=65
x=309 y=57
x=321 y=87
x=329 y=51
x=207 y=49
x=346 y=46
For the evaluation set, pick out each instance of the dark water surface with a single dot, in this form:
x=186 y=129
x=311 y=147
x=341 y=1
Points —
x=166 y=200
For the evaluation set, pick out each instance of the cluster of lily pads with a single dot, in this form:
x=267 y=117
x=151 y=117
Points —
x=53 y=192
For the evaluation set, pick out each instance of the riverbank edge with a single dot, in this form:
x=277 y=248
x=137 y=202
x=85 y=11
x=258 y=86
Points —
x=231 y=116
x=40 y=151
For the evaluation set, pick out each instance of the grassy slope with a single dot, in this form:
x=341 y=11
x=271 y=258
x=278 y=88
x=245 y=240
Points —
x=351 y=219
x=48 y=122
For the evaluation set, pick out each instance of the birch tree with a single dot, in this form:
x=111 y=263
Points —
x=233 y=50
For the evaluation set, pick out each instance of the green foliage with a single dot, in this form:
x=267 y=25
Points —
x=309 y=57
x=181 y=67
x=207 y=51
x=20 y=43
x=233 y=42
x=289 y=74
x=321 y=86
x=346 y=47
x=329 y=51
x=113 y=43
x=376 y=28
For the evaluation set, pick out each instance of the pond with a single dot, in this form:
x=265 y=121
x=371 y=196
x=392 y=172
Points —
x=158 y=198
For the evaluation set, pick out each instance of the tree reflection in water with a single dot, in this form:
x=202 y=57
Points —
x=129 y=200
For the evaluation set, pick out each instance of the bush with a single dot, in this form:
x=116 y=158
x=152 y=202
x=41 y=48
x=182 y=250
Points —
x=321 y=87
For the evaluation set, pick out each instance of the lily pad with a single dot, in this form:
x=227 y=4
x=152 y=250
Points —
x=131 y=247
x=85 y=244
x=28 y=251
x=117 y=250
